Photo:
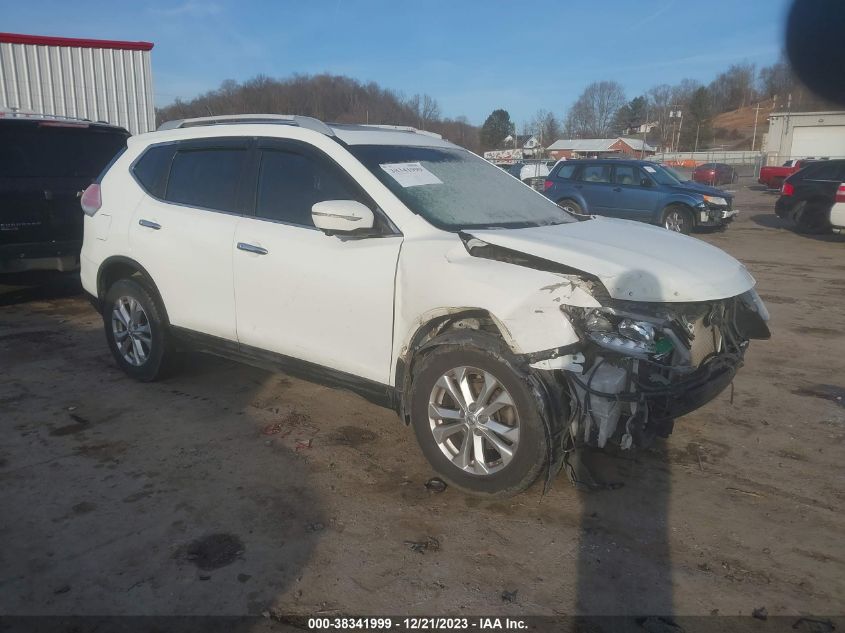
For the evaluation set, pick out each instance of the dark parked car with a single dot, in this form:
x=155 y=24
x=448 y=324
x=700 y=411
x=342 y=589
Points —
x=807 y=195
x=714 y=174
x=44 y=165
x=638 y=190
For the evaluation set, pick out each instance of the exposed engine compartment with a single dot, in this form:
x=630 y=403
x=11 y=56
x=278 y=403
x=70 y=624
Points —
x=642 y=365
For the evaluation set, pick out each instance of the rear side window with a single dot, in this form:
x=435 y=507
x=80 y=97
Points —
x=56 y=150
x=566 y=171
x=152 y=168
x=825 y=171
x=626 y=175
x=290 y=183
x=596 y=173
x=206 y=178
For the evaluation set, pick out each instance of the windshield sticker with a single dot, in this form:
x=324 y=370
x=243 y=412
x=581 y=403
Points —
x=411 y=174
x=650 y=170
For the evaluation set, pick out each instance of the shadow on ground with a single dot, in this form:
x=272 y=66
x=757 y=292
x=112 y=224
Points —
x=771 y=221
x=122 y=498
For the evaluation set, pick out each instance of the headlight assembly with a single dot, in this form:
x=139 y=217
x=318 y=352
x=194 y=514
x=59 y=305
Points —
x=716 y=201
x=627 y=336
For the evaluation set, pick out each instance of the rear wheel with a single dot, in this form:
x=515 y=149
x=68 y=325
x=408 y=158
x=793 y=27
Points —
x=677 y=219
x=136 y=330
x=477 y=421
x=570 y=206
x=812 y=218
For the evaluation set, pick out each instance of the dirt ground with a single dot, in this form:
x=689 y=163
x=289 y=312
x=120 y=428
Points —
x=231 y=490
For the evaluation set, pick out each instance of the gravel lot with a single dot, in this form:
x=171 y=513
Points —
x=231 y=490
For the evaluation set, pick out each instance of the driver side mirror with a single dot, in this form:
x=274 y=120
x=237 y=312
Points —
x=342 y=216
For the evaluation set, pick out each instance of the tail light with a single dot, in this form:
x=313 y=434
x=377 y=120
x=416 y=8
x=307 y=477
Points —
x=787 y=189
x=91 y=200
x=840 y=193
x=547 y=184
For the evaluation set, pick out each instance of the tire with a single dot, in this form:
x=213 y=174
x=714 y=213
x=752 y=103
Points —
x=678 y=219
x=507 y=475
x=570 y=206
x=811 y=218
x=150 y=354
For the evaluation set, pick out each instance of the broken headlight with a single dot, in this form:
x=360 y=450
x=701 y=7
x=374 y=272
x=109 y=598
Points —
x=626 y=336
x=715 y=201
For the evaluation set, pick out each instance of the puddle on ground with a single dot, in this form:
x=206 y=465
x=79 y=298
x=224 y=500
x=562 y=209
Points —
x=351 y=436
x=213 y=551
x=825 y=392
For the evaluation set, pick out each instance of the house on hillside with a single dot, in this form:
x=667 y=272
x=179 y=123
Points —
x=599 y=148
x=516 y=148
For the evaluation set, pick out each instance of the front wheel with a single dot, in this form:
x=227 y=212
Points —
x=477 y=421
x=677 y=219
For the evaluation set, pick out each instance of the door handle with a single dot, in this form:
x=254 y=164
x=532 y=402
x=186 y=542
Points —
x=252 y=248
x=150 y=224
x=617 y=188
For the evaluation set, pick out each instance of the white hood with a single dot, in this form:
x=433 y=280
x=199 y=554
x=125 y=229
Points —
x=635 y=261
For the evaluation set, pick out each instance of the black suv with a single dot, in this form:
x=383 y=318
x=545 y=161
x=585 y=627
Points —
x=807 y=195
x=44 y=165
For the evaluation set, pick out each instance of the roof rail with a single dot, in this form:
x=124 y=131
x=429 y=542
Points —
x=397 y=128
x=306 y=122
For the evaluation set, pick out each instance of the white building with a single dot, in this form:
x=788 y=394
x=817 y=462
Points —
x=99 y=80
x=804 y=135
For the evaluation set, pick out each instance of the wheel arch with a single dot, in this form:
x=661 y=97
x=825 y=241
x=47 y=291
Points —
x=119 y=267
x=687 y=204
x=575 y=197
x=442 y=327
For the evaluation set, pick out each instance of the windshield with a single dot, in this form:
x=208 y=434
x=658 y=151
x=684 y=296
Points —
x=454 y=189
x=666 y=176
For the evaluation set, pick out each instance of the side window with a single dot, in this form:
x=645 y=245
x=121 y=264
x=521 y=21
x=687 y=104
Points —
x=824 y=171
x=566 y=171
x=290 y=183
x=152 y=168
x=596 y=173
x=626 y=175
x=206 y=178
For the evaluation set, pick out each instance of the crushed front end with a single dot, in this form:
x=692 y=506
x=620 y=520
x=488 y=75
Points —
x=641 y=365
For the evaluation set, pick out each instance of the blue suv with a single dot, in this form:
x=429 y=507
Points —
x=637 y=190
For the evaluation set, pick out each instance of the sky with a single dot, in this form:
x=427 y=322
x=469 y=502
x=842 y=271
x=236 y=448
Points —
x=473 y=57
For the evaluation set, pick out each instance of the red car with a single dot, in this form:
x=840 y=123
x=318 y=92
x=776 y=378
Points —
x=714 y=174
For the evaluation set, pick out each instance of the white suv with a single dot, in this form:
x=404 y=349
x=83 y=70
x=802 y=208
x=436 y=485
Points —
x=392 y=263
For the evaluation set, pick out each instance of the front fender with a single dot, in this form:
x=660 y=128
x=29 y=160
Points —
x=524 y=303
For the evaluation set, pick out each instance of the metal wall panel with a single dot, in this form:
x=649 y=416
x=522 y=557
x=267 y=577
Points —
x=101 y=84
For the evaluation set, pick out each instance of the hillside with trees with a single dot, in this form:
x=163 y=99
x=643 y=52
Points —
x=719 y=114
x=333 y=98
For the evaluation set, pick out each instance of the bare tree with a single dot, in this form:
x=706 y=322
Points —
x=593 y=113
x=545 y=127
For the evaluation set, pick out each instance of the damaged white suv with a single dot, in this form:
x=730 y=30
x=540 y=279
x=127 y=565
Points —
x=395 y=264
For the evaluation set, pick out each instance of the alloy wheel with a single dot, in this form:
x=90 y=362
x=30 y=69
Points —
x=674 y=221
x=474 y=420
x=131 y=328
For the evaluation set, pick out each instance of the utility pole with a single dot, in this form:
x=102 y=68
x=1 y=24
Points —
x=645 y=134
x=680 y=127
x=697 y=130
x=754 y=136
x=673 y=114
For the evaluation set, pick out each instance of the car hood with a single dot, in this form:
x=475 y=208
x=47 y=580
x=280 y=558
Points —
x=690 y=186
x=635 y=261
